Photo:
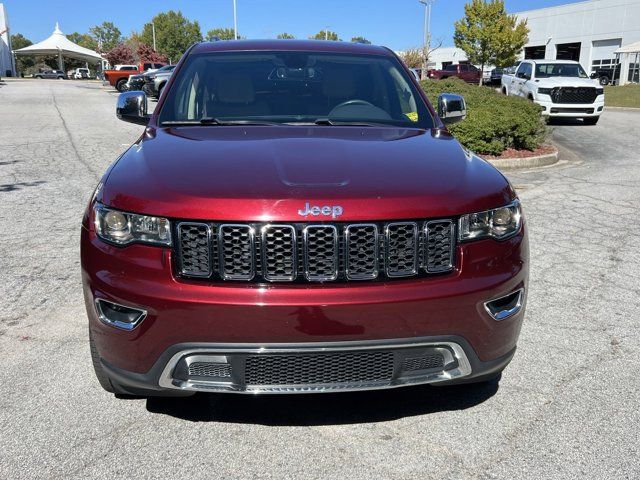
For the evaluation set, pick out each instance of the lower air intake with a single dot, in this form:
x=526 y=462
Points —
x=209 y=369
x=319 y=369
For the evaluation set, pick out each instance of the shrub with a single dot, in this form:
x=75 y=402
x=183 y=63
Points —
x=494 y=121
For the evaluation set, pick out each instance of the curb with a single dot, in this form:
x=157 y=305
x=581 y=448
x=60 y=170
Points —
x=528 y=162
x=623 y=109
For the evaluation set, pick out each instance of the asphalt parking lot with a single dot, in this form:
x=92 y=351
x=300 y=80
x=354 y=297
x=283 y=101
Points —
x=567 y=406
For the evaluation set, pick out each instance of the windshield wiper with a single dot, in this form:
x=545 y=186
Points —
x=326 y=121
x=215 y=121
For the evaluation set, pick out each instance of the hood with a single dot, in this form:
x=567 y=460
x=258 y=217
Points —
x=266 y=173
x=566 y=82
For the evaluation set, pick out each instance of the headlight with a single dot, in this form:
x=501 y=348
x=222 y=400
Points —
x=545 y=91
x=499 y=223
x=125 y=228
x=599 y=91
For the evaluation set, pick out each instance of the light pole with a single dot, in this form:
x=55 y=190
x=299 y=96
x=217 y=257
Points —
x=427 y=34
x=153 y=31
x=326 y=32
x=235 y=20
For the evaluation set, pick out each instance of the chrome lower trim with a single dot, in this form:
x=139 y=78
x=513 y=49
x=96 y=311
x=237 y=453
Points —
x=509 y=312
x=117 y=324
x=452 y=352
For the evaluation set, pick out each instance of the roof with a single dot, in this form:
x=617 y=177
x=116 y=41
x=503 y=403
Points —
x=291 y=45
x=631 y=48
x=58 y=42
x=542 y=60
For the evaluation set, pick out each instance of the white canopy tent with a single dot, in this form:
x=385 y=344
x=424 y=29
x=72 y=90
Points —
x=58 y=44
x=629 y=59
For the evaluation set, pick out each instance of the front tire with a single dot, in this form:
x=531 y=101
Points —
x=120 y=85
x=591 y=120
x=604 y=81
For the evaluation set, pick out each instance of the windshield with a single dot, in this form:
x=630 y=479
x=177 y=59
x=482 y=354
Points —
x=294 y=87
x=546 y=70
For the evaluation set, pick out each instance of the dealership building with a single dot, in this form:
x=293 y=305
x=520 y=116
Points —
x=589 y=32
x=7 y=67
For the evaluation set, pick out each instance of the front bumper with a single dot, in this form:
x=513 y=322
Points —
x=572 y=110
x=408 y=318
x=412 y=364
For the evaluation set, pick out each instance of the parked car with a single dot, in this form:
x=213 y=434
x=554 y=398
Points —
x=155 y=82
x=466 y=72
x=561 y=87
x=118 y=77
x=135 y=82
x=59 y=74
x=125 y=67
x=512 y=69
x=606 y=76
x=495 y=78
x=80 y=73
x=297 y=218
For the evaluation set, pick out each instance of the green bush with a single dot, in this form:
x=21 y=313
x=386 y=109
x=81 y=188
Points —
x=494 y=121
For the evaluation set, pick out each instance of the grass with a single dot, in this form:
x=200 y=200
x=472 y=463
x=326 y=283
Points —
x=625 y=96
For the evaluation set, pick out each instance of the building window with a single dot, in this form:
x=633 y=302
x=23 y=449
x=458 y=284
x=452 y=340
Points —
x=536 y=52
x=568 y=51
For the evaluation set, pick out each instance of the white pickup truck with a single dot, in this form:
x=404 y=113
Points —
x=561 y=87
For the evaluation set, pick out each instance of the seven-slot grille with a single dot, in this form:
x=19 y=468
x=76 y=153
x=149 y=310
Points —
x=315 y=253
x=573 y=95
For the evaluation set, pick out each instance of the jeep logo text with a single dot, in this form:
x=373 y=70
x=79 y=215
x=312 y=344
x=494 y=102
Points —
x=335 y=210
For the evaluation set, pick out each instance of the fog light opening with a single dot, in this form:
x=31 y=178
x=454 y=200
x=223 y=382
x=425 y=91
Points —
x=119 y=316
x=505 y=307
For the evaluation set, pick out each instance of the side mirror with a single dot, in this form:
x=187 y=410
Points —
x=451 y=108
x=132 y=107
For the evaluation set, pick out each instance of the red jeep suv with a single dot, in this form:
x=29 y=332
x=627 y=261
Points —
x=296 y=217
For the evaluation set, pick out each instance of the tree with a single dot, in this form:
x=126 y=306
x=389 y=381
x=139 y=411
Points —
x=19 y=41
x=174 y=34
x=285 y=36
x=84 y=40
x=121 y=54
x=418 y=57
x=222 y=33
x=326 y=35
x=107 y=36
x=488 y=35
x=148 y=54
x=360 y=40
x=412 y=57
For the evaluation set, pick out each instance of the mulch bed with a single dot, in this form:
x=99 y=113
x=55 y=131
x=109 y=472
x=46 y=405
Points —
x=513 y=153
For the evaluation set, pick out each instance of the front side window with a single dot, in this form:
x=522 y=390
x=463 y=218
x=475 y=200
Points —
x=546 y=70
x=294 y=88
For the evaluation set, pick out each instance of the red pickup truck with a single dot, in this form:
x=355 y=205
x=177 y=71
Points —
x=466 y=72
x=118 y=77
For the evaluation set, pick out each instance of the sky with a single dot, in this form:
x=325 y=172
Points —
x=397 y=24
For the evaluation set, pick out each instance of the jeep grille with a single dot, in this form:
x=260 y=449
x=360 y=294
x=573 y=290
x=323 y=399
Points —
x=299 y=252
